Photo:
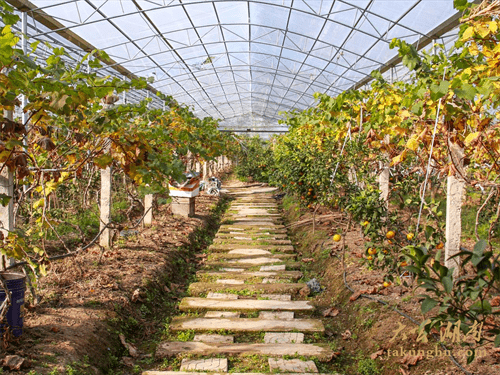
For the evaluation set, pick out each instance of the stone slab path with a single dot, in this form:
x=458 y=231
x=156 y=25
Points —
x=247 y=301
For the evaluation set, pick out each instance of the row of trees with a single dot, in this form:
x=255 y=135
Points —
x=72 y=129
x=382 y=154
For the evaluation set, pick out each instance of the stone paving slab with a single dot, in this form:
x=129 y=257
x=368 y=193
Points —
x=284 y=315
x=263 y=289
x=250 y=252
x=225 y=229
x=277 y=297
x=195 y=304
x=292 y=275
x=222 y=296
x=241 y=238
x=181 y=323
x=218 y=265
x=221 y=314
x=321 y=351
x=283 y=338
x=263 y=241
x=224 y=248
x=257 y=236
x=230 y=281
x=216 y=338
x=273 y=268
x=212 y=364
x=247 y=245
x=255 y=261
x=255 y=223
x=292 y=365
x=232 y=269
x=233 y=256
x=267 y=280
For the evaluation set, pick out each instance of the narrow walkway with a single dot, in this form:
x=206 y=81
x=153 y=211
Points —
x=249 y=285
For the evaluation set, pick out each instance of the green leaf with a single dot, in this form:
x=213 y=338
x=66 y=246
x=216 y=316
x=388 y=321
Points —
x=471 y=357
x=466 y=91
x=460 y=5
x=4 y=199
x=479 y=247
x=428 y=304
x=497 y=341
x=447 y=284
x=103 y=161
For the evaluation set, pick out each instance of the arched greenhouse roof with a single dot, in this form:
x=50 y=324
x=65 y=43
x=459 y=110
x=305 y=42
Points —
x=241 y=61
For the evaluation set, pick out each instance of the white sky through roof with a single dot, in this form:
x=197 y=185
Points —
x=233 y=59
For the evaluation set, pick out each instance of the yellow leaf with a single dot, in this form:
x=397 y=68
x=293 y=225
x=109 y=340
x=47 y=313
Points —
x=412 y=143
x=468 y=33
x=405 y=114
x=470 y=138
x=39 y=203
x=483 y=31
x=493 y=26
x=398 y=159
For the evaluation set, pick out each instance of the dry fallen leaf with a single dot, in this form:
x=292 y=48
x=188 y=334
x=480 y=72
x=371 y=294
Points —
x=332 y=311
x=131 y=348
x=411 y=360
x=355 y=296
x=136 y=295
x=346 y=335
x=308 y=260
x=127 y=361
x=377 y=354
x=404 y=372
x=54 y=329
x=495 y=301
x=13 y=362
x=305 y=291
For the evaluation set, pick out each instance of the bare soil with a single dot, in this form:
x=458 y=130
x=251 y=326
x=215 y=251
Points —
x=130 y=289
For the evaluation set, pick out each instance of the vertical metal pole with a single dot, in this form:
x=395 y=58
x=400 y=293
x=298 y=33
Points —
x=24 y=45
x=124 y=97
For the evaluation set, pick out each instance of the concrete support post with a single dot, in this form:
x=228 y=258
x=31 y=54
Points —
x=205 y=171
x=383 y=177
x=454 y=198
x=106 y=176
x=7 y=212
x=148 y=208
x=197 y=167
x=383 y=181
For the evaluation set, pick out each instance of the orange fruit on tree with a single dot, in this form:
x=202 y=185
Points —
x=387 y=284
x=410 y=236
x=337 y=237
x=365 y=223
x=439 y=246
x=404 y=264
x=372 y=251
x=369 y=257
x=390 y=235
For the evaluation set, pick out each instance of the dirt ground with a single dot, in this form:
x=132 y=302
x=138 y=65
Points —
x=89 y=300
x=362 y=330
